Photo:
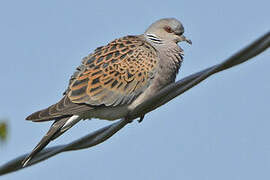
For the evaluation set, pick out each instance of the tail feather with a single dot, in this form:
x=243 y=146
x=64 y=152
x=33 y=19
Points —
x=58 y=128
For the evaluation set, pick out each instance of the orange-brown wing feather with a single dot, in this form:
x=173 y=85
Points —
x=114 y=74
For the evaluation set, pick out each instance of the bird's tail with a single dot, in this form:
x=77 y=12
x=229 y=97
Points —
x=58 y=127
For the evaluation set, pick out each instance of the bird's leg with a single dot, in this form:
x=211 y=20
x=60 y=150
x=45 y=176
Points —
x=141 y=119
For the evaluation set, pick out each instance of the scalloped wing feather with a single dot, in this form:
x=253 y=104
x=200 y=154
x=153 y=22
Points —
x=114 y=74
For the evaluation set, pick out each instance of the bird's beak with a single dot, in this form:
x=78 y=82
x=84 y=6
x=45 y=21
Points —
x=183 y=38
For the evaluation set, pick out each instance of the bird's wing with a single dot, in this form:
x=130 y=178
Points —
x=112 y=75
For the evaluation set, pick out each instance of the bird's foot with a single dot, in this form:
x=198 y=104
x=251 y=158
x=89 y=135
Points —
x=141 y=119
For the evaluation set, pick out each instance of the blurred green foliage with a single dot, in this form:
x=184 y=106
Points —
x=3 y=131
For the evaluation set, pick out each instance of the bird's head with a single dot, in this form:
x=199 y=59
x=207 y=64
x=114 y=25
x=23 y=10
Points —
x=167 y=29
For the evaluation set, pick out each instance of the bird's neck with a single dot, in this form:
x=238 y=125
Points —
x=170 y=54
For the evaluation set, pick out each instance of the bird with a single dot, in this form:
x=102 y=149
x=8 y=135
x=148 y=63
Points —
x=115 y=78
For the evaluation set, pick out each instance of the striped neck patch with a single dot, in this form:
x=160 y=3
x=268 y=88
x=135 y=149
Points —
x=154 y=39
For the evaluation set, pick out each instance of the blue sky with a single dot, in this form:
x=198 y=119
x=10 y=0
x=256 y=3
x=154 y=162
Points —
x=217 y=130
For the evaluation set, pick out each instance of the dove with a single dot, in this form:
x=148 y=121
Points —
x=116 y=78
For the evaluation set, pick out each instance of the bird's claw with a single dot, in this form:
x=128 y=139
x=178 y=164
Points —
x=141 y=119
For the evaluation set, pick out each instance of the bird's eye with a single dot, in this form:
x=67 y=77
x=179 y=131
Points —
x=168 y=29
